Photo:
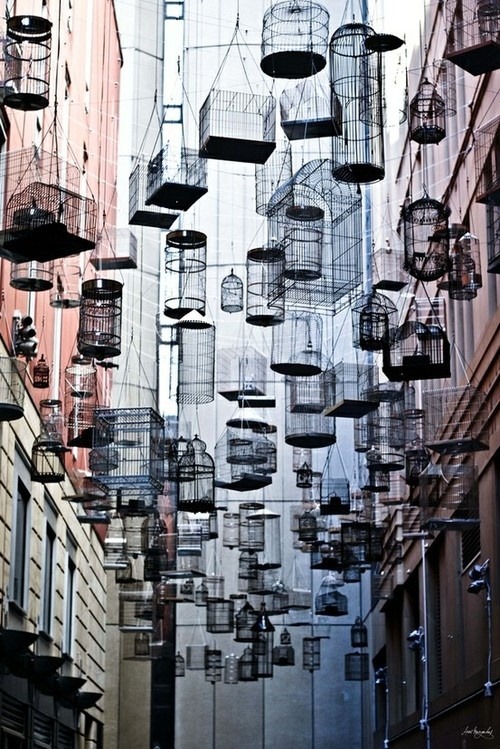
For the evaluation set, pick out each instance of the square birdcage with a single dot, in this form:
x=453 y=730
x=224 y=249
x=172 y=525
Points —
x=448 y=496
x=309 y=110
x=335 y=496
x=455 y=420
x=136 y=601
x=236 y=476
x=238 y=126
x=176 y=183
x=139 y=212
x=242 y=373
x=417 y=352
x=128 y=448
x=352 y=390
x=486 y=157
x=473 y=35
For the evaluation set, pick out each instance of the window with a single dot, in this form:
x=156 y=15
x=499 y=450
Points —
x=69 y=597
x=49 y=563
x=18 y=584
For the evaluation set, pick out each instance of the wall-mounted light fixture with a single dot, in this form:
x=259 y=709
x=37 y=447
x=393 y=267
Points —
x=480 y=577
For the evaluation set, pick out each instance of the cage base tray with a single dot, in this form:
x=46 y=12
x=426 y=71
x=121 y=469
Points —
x=176 y=196
x=479 y=58
x=351 y=409
x=43 y=243
x=237 y=149
x=323 y=127
x=153 y=219
x=292 y=64
x=310 y=439
x=458 y=446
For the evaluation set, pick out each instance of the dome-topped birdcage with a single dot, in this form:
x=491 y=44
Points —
x=231 y=293
x=309 y=110
x=374 y=317
x=426 y=239
x=99 y=330
x=176 y=181
x=427 y=115
x=196 y=478
x=296 y=344
x=185 y=268
x=196 y=371
x=41 y=374
x=355 y=74
x=294 y=39
x=417 y=352
x=26 y=60
x=265 y=300
x=473 y=29
x=329 y=601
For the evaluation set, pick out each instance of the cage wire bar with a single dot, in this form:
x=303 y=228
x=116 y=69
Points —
x=270 y=175
x=185 y=268
x=297 y=344
x=139 y=212
x=486 y=150
x=99 y=328
x=426 y=239
x=265 y=305
x=242 y=373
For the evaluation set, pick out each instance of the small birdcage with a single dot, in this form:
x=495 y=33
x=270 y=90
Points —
x=26 y=75
x=231 y=293
x=311 y=653
x=263 y=644
x=388 y=274
x=269 y=176
x=310 y=111
x=269 y=557
x=247 y=569
x=185 y=268
x=176 y=183
x=427 y=115
x=448 y=492
x=136 y=607
x=355 y=74
x=456 y=420
x=361 y=542
x=41 y=374
x=252 y=532
x=356 y=666
x=242 y=373
x=196 y=370
x=308 y=394
x=296 y=345
x=486 y=148
x=352 y=390
x=294 y=39
x=237 y=126
x=32 y=276
x=80 y=401
x=115 y=544
x=127 y=452
x=66 y=291
x=220 y=615
x=417 y=458
x=284 y=654
x=329 y=601
x=99 y=330
x=231 y=664
x=265 y=298
x=473 y=29
x=374 y=316
x=196 y=478
x=335 y=498
x=237 y=476
x=140 y=213
x=213 y=665
x=464 y=276
x=46 y=464
x=246 y=667
x=417 y=352
x=230 y=529
x=426 y=239
x=244 y=619
x=308 y=429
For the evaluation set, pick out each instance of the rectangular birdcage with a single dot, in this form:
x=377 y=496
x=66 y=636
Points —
x=176 y=183
x=335 y=496
x=473 y=35
x=136 y=607
x=119 y=253
x=487 y=161
x=242 y=373
x=352 y=390
x=448 y=497
x=240 y=477
x=128 y=453
x=140 y=213
x=455 y=420
x=237 y=126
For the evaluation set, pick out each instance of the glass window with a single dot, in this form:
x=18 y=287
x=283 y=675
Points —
x=69 y=597
x=19 y=581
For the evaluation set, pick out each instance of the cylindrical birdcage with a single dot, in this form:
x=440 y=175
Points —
x=185 y=268
x=66 y=291
x=80 y=400
x=220 y=615
x=46 y=464
x=231 y=669
x=294 y=39
x=230 y=529
x=196 y=478
x=12 y=390
x=269 y=176
x=32 y=276
x=355 y=75
x=357 y=666
x=196 y=368
x=265 y=296
x=231 y=293
x=99 y=331
x=27 y=63
x=296 y=345
x=251 y=527
x=270 y=556
x=426 y=239
x=427 y=115
x=302 y=241
x=305 y=425
x=213 y=665
x=136 y=607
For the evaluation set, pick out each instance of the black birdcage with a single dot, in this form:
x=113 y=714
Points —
x=26 y=60
x=176 y=183
x=241 y=477
x=426 y=239
x=12 y=389
x=355 y=74
x=41 y=374
x=196 y=369
x=294 y=39
x=142 y=213
x=32 y=276
x=99 y=330
x=237 y=126
x=352 y=386
x=265 y=298
x=231 y=293
x=46 y=453
x=473 y=29
x=456 y=420
x=220 y=615
x=262 y=645
x=213 y=665
x=335 y=498
x=311 y=653
x=244 y=620
x=427 y=115
x=329 y=601
x=417 y=458
x=308 y=110
x=374 y=316
x=464 y=276
x=417 y=352
x=185 y=268
x=196 y=478
x=284 y=654
x=296 y=345
x=356 y=666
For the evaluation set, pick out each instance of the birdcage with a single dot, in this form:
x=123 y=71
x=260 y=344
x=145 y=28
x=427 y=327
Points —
x=308 y=110
x=426 y=239
x=80 y=401
x=66 y=291
x=448 y=493
x=335 y=497
x=329 y=601
x=269 y=176
x=237 y=126
x=99 y=330
x=427 y=115
x=196 y=369
x=140 y=213
x=220 y=615
x=284 y=654
x=262 y=645
x=486 y=150
x=309 y=394
x=185 y=267
x=355 y=74
x=473 y=35
x=12 y=390
x=361 y=542
x=296 y=345
x=237 y=476
x=352 y=390
x=244 y=619
x=374 y=316
x=417 y=352
x=251 y=531
x=302 y=242
x=388 y=274
x=26 y=62
x=464 y=277
x=41 y=374
x=196 y=478
x=127 y=451
x=242 y=373
x=247 y=569
x=265 y=299
x=46 y=464
x=136 y=607
x=456 y=420
x=356 y=666
x=32 y=276
x=176 y=183
x=311 y=653
x=308 y=429
x=213 y=665
x=294 y=39
x=231 y=293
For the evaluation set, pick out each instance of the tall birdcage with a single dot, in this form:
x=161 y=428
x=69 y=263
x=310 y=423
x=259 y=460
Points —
x=388 y=274
x=265 y=299
x=473 y=41
x=185 y=268
x=26 y=63
x=196 y=478
x=12 y=389
x=231 y=293
x=464 y=277
x=309 y=110
x=140 y=212
x=196 y=367
x=262 y=645
x=427 y=115
x=426 y=239
x=66 y=293
x=176 y=181
x=294 y=39
x=136 y=607
x=352 y=390
x=80 y=400
x=417 y=352
x=486 y=149
x=302 y=242
x=374 y=317
x=99 y=330
x=237 y=126
x=251 y=530
x=456 y=420
x=296 y=344
x=355 y=74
